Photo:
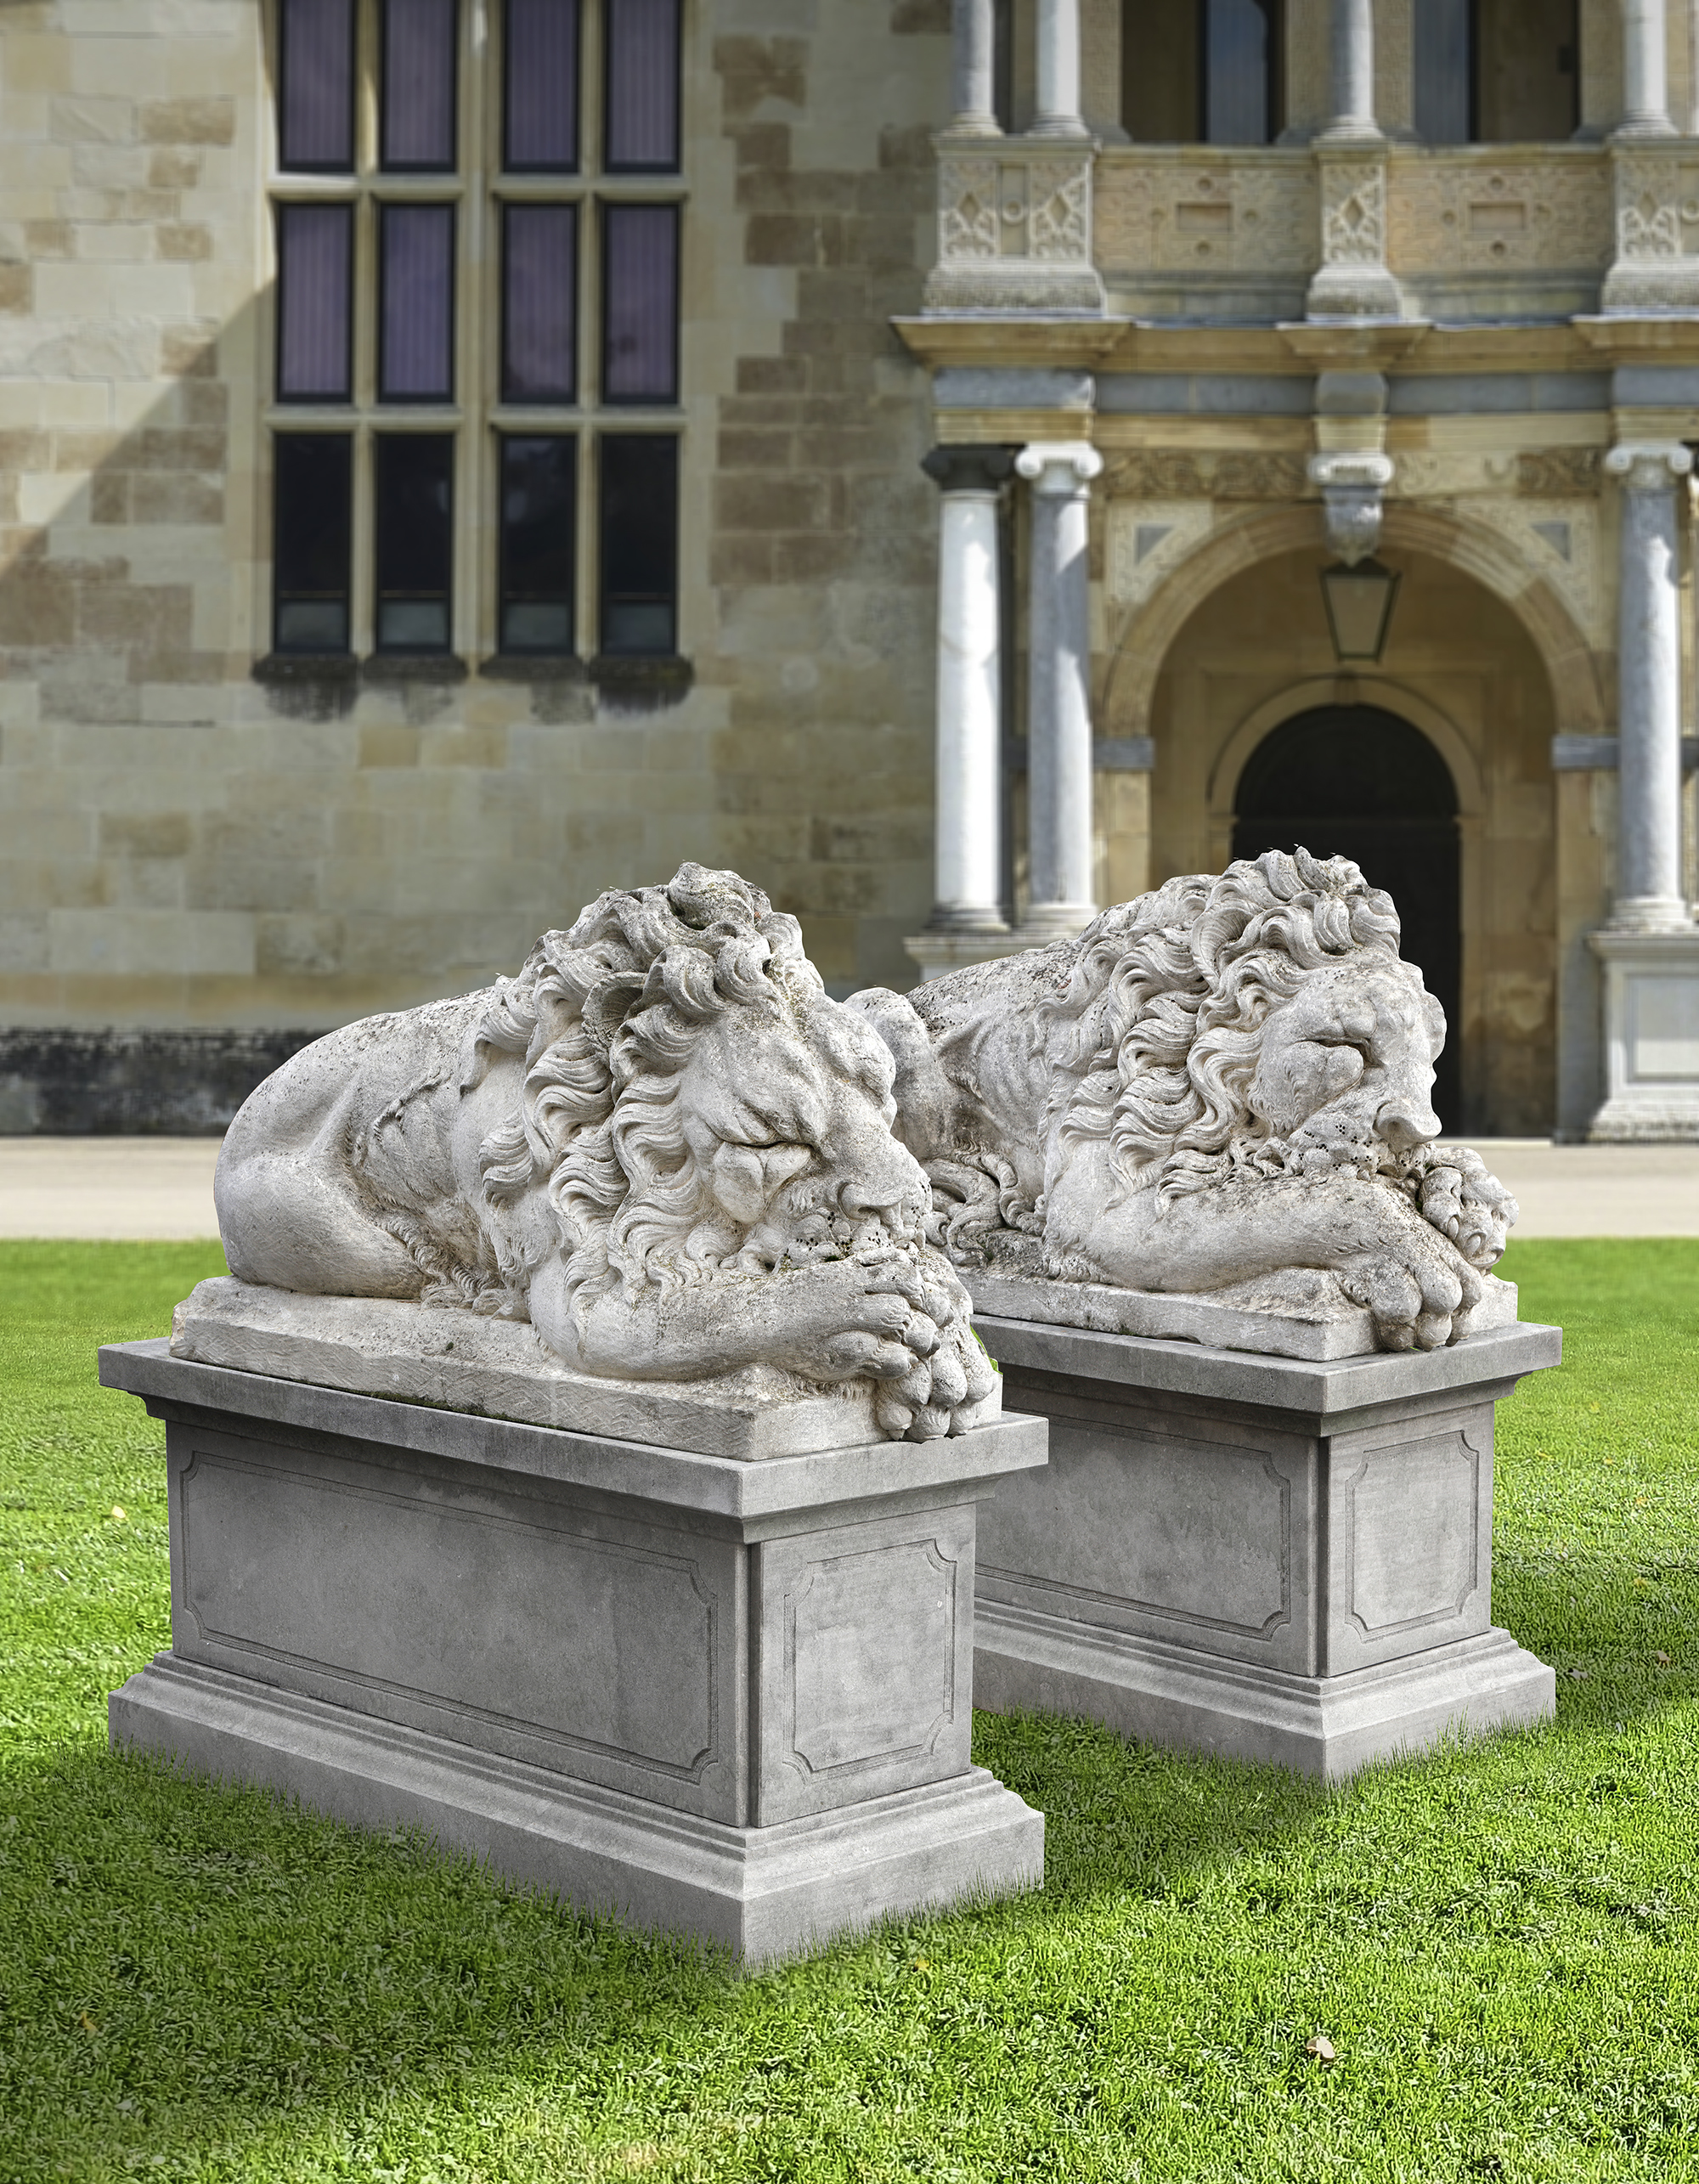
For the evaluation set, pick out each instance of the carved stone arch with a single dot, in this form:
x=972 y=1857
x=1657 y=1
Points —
x=1143 y=645
x=1365 y=689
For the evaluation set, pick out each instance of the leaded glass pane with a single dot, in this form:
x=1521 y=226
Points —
x=315 y=246
x=640 y=302
x=642 y=86
x=640 y=546
x=417 y=101
x=312 y=531
x=539 y=304
x=541 y=132
x=416 y=304
x=316 y=86
x=413 y=493
x=539 y=521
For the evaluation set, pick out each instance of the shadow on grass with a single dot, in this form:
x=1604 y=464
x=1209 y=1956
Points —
x=188 y=1964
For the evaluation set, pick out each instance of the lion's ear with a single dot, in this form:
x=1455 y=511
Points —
x=605 y=1004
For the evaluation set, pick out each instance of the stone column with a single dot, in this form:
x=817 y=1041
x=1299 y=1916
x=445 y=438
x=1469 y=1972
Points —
x=1353 y=71
x=1058 y=708
x=1645 y=74
x=972 y=88
x=1058 y=71
x=1649 y=891
x=970 y=725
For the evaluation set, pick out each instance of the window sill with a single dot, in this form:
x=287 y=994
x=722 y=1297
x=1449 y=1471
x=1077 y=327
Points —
x=535 y=666
x=413 y=667
x=643 y=679
x=307 y=667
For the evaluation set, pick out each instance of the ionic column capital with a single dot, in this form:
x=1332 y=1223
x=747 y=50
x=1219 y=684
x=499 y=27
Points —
x=1059 y=467
x=962 y=469
x=1649 y=466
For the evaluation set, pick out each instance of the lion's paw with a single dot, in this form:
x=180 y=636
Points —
x=1465 y=1202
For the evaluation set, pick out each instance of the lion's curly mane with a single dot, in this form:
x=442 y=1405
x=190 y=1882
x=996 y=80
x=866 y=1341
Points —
x=1155 y=1040
x=605 y=1016
x=1151 y=1038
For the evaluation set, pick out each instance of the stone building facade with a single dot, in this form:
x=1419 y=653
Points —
x=1183 y=303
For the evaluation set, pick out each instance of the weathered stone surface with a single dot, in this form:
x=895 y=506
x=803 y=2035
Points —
x=661 y=1145
x=1274 y=1560
x=733 y=1699
x=1225 y=1081
x=1301 y=1312
x=502 y=1368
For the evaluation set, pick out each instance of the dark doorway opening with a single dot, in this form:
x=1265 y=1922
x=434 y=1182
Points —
x=1352 y=781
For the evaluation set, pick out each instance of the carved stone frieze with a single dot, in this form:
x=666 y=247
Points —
x=1161 y=474
x=1522 y=215
x=1544 y=473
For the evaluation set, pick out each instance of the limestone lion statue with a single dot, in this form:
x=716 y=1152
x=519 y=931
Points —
x=661 y=1142
x=1227 y=1078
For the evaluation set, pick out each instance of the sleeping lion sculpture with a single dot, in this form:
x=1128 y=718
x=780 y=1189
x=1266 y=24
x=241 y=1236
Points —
x=1227 y=1078
x=661 y=1144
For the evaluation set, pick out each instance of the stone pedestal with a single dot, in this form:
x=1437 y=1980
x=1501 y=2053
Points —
x=1268 y=1559
x=726 y=1697
x=1651 y=1037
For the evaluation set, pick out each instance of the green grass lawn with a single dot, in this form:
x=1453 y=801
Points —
x=1500 y=1942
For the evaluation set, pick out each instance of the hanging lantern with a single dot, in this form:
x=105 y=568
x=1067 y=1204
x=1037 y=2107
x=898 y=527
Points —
x=1359 y=608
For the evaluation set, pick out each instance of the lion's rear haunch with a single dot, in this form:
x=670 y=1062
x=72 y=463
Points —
x=622 y=1134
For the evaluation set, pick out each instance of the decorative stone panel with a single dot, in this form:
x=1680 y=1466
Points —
x=1460 y=213
x=1014 y=230
x=1240 y=213
x=1655 y=268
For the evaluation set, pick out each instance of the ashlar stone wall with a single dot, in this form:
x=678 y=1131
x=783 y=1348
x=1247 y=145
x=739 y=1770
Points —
x=182 y=846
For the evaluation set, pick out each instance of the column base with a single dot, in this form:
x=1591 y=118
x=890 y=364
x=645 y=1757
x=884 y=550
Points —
x=939 y=952
x=1045 y=922
x=1651 y=1031
x=762 y=1893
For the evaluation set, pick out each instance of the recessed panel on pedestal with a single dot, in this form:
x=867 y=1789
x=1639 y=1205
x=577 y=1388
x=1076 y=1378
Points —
x=865 y=1662
x=1162 y=1532
x=1664 y=1028
x=1410 y=1522
x=546 y=1632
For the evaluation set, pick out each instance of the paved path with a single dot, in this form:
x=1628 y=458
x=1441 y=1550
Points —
x=161 y=1187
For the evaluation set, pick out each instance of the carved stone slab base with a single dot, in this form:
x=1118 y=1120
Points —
x=761 y=1893
x=1261 y=1557
x=728 y=1697
x=499 y=1369
x=1301 y=1313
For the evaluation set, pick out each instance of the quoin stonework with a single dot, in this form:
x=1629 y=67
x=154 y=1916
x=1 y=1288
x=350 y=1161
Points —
x=456 y=458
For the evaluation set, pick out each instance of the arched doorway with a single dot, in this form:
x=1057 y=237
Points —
x=1356 y=782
